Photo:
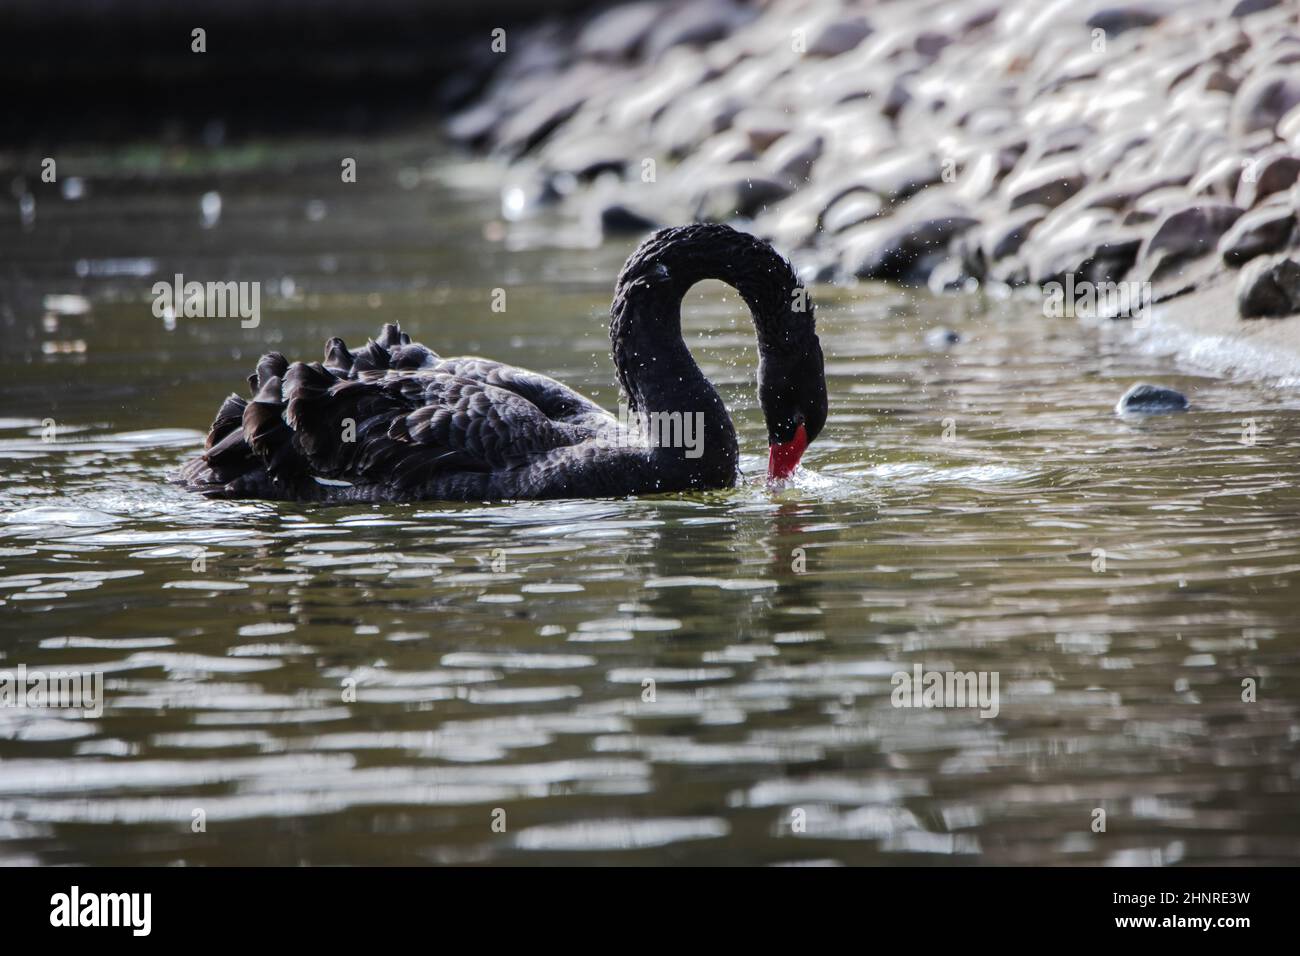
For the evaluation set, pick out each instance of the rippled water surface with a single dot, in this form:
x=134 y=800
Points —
x=447 y=683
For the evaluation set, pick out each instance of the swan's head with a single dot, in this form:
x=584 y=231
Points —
x=792 y=393
x=791 y=377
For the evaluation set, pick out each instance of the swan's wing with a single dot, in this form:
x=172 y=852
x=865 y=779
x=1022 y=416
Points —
x=554 y=399
x=448 y=422
x=393 y=351
x=393 y=413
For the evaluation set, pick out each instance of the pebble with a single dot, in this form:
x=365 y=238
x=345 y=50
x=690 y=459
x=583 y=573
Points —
x=852 y=210
x=1264 y=99
x=1185 y=233
x=839 y=37
x=1269 y=288
x=1146 y=399
x=1270 y=173
x=1047 y=185
x=903 y=249
x=617 y=219
x=941 y=338
x=617 y=34
x=1258 y=232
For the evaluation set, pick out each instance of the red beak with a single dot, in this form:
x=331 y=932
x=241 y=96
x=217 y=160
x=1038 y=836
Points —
x=783 y=459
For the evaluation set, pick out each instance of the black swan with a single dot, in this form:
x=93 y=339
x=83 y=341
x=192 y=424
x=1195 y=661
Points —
x=395 y=422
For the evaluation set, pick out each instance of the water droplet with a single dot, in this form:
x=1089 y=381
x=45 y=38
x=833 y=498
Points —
x=210 y=210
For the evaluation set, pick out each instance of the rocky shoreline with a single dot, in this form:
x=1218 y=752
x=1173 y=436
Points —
x=955 y=144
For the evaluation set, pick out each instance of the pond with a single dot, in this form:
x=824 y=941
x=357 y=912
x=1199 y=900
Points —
x=690 y=679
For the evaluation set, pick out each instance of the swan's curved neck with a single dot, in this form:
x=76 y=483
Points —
x=665 y=394
x=658 y=374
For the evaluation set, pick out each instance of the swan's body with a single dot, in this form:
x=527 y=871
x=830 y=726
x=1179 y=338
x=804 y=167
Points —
x=395 y=422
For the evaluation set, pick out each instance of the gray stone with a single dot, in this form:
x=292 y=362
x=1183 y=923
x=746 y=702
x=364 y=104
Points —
x=525 y=129
x=721 y=149
x=1269 y=287
x=1244 y=8
x=1012 y=271
x=474 y=125
x=1112 y=257
x=988 y=120
x=1088 y=244
x=900 y=175
x=695 y=24
x=737 y=192
x=1147 y=399
x=1123 y=193
x=839 y=36
x=1264 y=99
x=930 y=43
x=1004 y=236
x=792 y=159
x=1123 y=17
x=980 y=174
x=966 y=260
x=1185 y=144
x=898 y=94
x=617 y=219
x=1047 y=184
x=1258 y=232
x=762 y=127
x=586 y=157
x=1106 y=258
x=1063 y=139
x=1219 y=178
x=1214 y=80
x=851 y=210
x=815 y=270
x=694 y=118
x=791 y=224
x=1267 y=174
x=1100 y=160
x=941 y=338
x=1288 y=127
x=618 y=33
x=905 y=247
x=1277 y=48
x=1151 y=206
x=951 y=275
x=1184 y=234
